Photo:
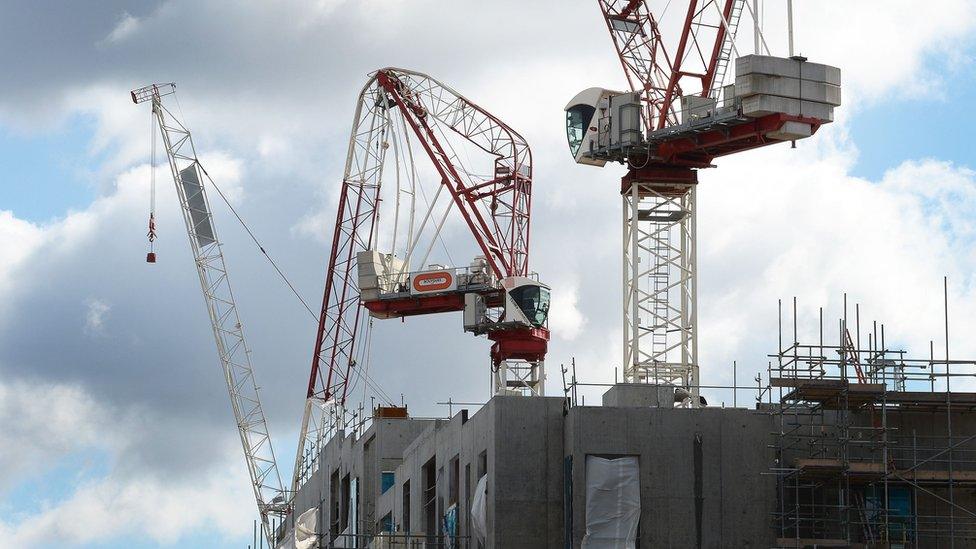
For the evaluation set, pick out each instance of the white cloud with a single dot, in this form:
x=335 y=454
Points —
x=566 y=321
x=126 y=27
x=227 y=173
x=50 y=423
x=44 y=423
x=145 y=508
x=95 y=316
x=19 y=238
x=784 y=225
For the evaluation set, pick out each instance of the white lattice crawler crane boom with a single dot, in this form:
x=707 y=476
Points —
x=188 y=175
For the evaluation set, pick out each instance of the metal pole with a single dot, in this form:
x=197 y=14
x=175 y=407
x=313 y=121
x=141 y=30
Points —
x=789 y=22
x=779 y=325
x=690 y=248
x=952 y=513
x=755 y=25
x=915 y=478
x=734 y=391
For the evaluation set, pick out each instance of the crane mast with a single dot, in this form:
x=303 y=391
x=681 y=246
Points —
x=497 y=292
x=676 y=119
x=188 y=177
x=659 y=203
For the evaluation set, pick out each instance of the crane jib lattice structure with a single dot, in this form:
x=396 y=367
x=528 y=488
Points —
x=189 y=177
x=678 y=118
x=495 y=209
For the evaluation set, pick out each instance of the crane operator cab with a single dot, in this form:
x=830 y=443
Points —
x=526 y=302
x=602 y=124
x=525 y=305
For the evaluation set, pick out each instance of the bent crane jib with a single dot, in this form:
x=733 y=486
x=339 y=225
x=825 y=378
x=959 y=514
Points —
x=424 y=161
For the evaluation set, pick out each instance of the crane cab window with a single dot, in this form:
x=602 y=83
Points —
x=534 y=303
x=577 y=119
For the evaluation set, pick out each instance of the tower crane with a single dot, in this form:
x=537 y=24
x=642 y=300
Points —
x=388 y=225
x=676 y=119
x=232 y=350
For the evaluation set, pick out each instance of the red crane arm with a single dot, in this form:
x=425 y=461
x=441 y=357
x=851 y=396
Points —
x=701 y=52
x=496 y=210
x=637 y=38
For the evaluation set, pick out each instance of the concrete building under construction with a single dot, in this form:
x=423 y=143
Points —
x=841 y=446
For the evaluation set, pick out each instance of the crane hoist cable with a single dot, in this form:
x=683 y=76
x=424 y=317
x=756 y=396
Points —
x=151 y=234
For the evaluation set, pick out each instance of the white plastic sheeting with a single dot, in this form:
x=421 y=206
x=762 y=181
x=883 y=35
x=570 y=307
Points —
x=612 y=502
x=479 y=510
x=304 y=534
x=288 y=542
x=306 y=526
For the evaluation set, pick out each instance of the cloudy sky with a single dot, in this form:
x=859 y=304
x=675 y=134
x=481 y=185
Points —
x=115 y=430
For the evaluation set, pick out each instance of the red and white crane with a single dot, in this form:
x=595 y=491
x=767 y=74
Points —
x=389 y=225
x=676 y=119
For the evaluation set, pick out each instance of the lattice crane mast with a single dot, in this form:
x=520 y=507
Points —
x=387 y=226
x=676 y=119
x=188 y=176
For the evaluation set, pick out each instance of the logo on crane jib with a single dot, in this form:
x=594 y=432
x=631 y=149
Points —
x=433 y=281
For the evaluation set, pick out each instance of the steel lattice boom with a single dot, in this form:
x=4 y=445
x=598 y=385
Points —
x=188 y=176
x=701 y=53
x=495 y=208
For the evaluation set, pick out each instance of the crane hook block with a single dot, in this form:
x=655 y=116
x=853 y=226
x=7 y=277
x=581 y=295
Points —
x=150 y=257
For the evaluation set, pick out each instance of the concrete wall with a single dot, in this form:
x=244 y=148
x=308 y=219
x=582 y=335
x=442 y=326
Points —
x=517 y=442
x=733 y=504
x=704 y=473
x=380 y=448
x=525 y=487
x=526 y=443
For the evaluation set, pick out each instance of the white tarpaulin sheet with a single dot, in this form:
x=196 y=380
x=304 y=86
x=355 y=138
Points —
x=305 y=529
x=289 y=541
x=479 y=510
x=303 y=535
x=612 y=502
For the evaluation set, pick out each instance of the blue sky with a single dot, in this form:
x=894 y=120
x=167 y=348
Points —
x=898 y=129
x=48 y=173
x=140 y=403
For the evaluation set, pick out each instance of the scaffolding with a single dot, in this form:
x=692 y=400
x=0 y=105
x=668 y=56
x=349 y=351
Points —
x=872 y=447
